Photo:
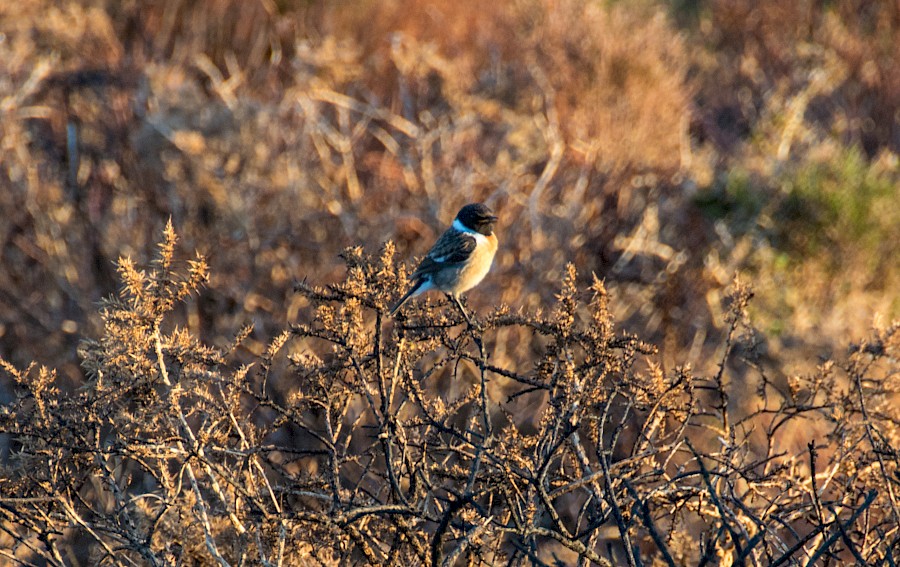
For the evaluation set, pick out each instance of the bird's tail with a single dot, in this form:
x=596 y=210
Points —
x=412 y=291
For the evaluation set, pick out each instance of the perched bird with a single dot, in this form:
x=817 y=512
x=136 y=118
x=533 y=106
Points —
x=459 y=259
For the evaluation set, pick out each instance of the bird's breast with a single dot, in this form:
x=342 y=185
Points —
x=478 y=266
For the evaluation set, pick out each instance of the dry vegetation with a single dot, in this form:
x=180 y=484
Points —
x=409 y=442
x=616 y=405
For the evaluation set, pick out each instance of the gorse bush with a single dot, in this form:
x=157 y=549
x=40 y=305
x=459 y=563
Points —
x=354 y=439
x=593 y=124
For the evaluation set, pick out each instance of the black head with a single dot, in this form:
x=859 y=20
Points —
x=477 y=217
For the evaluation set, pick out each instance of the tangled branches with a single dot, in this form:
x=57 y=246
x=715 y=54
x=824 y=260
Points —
x=357 y=439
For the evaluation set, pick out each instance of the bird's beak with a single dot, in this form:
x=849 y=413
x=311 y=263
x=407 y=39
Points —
x=492 y=218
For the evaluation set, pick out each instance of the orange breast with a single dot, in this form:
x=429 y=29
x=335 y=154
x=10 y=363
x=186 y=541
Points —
x=472 y=274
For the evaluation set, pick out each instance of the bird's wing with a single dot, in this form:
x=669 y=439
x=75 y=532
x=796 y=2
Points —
x=453 y=247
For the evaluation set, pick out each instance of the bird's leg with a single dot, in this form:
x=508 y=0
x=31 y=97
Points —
x=461 y=309
x=473 y=324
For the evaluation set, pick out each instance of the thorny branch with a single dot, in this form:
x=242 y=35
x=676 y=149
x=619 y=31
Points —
x=358 y=439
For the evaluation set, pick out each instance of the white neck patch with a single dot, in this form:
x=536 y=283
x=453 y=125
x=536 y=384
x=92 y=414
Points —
x=479 y=238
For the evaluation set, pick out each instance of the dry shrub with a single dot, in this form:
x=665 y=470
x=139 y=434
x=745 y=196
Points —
x=829 y=68
x=386 y=442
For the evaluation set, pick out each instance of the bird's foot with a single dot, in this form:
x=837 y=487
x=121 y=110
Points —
x=471 y=321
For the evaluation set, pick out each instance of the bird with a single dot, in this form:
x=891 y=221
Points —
x=459 y=259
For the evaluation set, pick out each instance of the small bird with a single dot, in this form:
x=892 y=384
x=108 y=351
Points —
x=459 y=259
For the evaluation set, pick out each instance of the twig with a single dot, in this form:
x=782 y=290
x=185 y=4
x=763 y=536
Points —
x=471 y=535
x=644 y=511
x=870 y=435
x=829 y=541
x=633 y=560
x=574 y=545
x=200 y=507
x=723 y=515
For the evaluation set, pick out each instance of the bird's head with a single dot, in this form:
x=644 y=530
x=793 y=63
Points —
x=477 y=217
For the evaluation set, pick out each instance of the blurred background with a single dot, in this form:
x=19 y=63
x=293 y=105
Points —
x=664 y=145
